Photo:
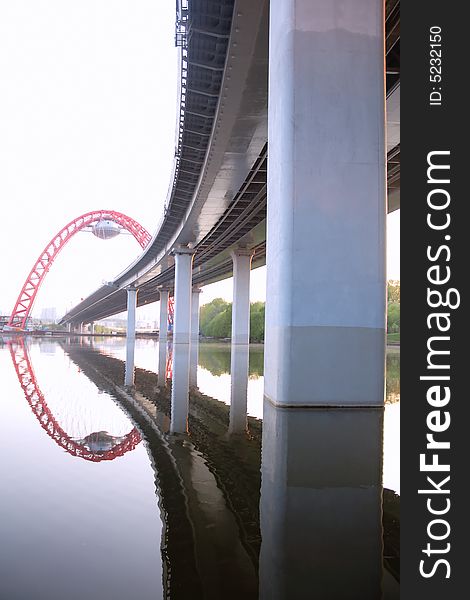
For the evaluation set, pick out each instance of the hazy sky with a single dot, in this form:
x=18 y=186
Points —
x=87 y=121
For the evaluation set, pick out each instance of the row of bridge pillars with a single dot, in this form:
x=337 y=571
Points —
x=185 y=342
x=324 y=369
x=81 y=328
x=326 y=280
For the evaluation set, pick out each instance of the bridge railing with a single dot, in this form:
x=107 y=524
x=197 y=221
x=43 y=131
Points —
x=181 y=28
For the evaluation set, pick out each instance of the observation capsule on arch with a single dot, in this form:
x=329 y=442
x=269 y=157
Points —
x=106 y=229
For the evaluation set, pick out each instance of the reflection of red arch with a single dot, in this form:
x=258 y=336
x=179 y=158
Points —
x=35 y=398
x=26 y=298
x=169 y=363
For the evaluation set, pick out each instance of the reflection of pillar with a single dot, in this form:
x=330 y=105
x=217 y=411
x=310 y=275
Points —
x=194 y=337
x=183 y=292
x=193 y=362
x=321 y=507
x=162 y=350
x=241 y=296
x=180 y=388
x=238 y=387
x=195 y=314
x=129 y=371
x=131 y=307
x=325 y=309
x=163 y=325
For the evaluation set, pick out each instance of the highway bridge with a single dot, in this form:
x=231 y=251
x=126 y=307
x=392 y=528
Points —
x=215 y=212
x=291 y=158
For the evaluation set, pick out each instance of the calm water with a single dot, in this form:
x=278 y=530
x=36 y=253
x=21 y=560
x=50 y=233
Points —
x=100 y=500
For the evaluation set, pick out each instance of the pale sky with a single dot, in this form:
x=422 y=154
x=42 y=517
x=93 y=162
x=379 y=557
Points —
x=87 y=121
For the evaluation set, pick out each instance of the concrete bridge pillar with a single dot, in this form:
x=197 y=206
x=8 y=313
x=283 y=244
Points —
x=131 y=308
x=92 y=328
x=241 y=296
x=326 y=292
x=181 y=339
x=183 y=293
x=163 y=326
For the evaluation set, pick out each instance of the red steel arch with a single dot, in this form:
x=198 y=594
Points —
x=37 y=402
x=28 y=293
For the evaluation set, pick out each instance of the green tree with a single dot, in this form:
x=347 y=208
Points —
x=393 y=287
x=209 y=312
x=221 y=325
x=215 y=320
x=257 y=310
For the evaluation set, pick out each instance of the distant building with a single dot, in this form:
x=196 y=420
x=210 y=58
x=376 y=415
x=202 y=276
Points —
x=49 y=314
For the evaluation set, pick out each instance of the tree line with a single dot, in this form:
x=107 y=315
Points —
x=215 y=318
x=393 y=306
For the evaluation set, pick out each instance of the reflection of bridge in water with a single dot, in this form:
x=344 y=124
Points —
x=96 y=446
x=208 y=484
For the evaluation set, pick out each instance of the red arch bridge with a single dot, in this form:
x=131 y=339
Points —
x=100 y=221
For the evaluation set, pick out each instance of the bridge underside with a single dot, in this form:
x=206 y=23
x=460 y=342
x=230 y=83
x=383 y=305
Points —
x=214 y=218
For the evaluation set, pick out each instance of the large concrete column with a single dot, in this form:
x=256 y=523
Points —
x=130 y=336
x=183 y=293
x=241 y=296
x=181 y=339
x=321 y=504
x=92 y=328
x=163 y=326
x=325 y=309
x=131 y=308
